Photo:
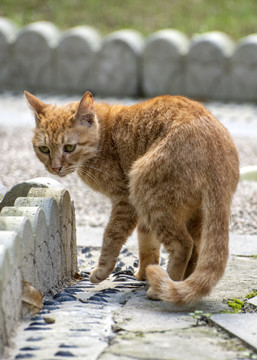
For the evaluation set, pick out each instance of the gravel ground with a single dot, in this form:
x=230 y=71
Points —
x=19 y=163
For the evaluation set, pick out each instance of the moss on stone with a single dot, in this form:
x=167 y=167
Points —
x=236 y=304
x=251 y=294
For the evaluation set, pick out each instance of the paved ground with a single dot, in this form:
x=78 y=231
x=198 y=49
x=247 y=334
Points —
x=115 y=320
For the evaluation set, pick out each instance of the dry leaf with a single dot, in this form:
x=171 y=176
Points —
x=31 y=300
x=49 y=320
x=77 y=276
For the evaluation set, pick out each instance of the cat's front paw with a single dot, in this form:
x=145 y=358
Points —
x=141 y=275
x=98 y=275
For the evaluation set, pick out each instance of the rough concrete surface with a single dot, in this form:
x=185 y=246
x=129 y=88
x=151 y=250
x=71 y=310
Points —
x=115 y=320
x=244 y=326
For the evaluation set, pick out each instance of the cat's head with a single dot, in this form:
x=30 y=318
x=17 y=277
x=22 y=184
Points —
x=66 y=136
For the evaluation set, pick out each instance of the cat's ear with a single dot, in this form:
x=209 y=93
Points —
x=85 y=114
x=34 y=103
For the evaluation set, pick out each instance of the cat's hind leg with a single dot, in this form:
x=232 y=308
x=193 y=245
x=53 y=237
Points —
x=164 y=203
x=149 y=250
x=179 y=244
x=194 y=227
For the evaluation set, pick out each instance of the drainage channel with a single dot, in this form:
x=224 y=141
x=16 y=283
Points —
x=76 y=322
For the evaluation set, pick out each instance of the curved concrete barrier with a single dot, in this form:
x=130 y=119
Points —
x=75 y=58
x=37 y=245
x=33 y=60
x=117 y=71
x=163 y=63
x=7 y=36
x=208 y=67
x=39 y=57
x=244 y=70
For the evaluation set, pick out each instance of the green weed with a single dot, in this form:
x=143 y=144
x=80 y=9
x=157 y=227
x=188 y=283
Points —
x=234 y=17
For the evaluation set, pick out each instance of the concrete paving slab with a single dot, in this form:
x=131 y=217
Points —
x=238 y=281
x=240 y=277
x=253 y=302
x=115 y=320
x=140 y=314
x=193 y=344
x=243 y=326
x=244 y=245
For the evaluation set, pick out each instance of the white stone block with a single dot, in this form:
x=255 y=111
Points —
x=33 y=66
x=43 y=264
x=75 y=58
x=5 y=282
x=49 y=205
x=40 y=250
x=208 y=66
x=10 y=283
x=8 y=28
x=244 y=70
x=42 y=182
x=74 y=257
x=22 y=189
x=51 y=211
x=42 y=257
x=117 y=66
x=21 y=225
x=163 y=65
x=7 y=35
x=67 y=226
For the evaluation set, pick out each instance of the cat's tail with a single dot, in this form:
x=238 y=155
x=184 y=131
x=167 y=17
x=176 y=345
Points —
x=211 y=262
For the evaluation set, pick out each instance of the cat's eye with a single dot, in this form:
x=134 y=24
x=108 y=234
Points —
x=69 y=148
x=44 y=149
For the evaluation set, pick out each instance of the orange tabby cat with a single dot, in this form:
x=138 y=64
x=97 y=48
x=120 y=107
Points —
x=169 y=167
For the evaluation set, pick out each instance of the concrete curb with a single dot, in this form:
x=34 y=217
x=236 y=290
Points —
x=39 y=57
x=37 y=245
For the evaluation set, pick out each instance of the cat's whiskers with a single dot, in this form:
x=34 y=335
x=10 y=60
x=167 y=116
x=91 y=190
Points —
x=94 y=168
x=91 y=176
x=84 y=171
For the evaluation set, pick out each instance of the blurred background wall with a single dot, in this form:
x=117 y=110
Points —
x=202 y=49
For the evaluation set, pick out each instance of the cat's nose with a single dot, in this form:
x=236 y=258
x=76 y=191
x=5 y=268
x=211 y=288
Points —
x=57 y=169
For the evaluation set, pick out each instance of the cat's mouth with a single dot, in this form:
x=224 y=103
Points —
x=61 y=172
